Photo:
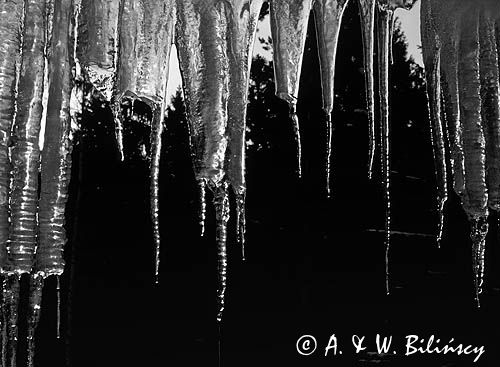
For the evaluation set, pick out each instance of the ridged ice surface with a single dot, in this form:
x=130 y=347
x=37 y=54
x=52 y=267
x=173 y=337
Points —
x=56 y=155
x=11 y=13
x=466 y=52
x=25 y=152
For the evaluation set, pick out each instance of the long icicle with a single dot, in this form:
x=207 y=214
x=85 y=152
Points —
x=242 y=24
x=289 y=20
x=25 y=153
x=383 y=30
x=202 y=44
x=490 y=108
x=56 y=154
x=367 y=12
x=476 y=195
x=146 y=34
x=432 y=57
x=328 y=19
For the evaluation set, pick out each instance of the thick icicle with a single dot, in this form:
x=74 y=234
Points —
x=221 y=203
x=56 y=155
x=99 y=51
x=367 y=12
x=146 y=34
x=490 y=109
x=34 y=309
x=242 y=23
x=11 y=14
x=383 y=62
x=476 y=195
x=289 y=20
x=25 y=153
x=201 y=39
x=431 y=54
x=449 y=64
x=328 y=19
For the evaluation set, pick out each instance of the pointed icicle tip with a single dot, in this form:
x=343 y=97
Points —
x=479 y=231
x=328 y=153
x=241 y=220
x=292 y=114
x=203 y=205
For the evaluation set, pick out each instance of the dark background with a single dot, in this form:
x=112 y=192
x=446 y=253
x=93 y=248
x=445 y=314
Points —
x=314 y=265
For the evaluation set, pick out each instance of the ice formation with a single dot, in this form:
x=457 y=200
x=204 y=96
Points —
x=50 y=48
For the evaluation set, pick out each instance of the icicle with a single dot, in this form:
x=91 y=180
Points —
x=292 y=116
x=11 y=301
x=242 y=25
x=476 y=196
x=289 y=20
x=156 y=131
x=202 y=39
x=203 y=205
x=146 y=35
x=431 y=54
x=329 y=130
x=367 y=11
x=490 y=108
x=11 y=14
x=25 y=153
x=35 y=304
x=221 y=203
x=479 y=230
x=383 y=60
x=328 y=19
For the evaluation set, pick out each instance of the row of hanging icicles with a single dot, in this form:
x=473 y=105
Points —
x=52 y=50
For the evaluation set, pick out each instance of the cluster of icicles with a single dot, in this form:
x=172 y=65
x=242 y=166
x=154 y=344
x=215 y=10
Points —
x=50 y=49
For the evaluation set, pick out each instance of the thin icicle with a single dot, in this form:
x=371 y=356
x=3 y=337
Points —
x=221 y=204
x=241 y=220
x=34 y=309
x=156 y=132
x=12 y=303
x=292 y=115
x=383 y=30
x=432 y=60
x=328 y=19
x=203 y=205
x=289 y=20
x=58 y=307
x=367 y=12
x=329 y=130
